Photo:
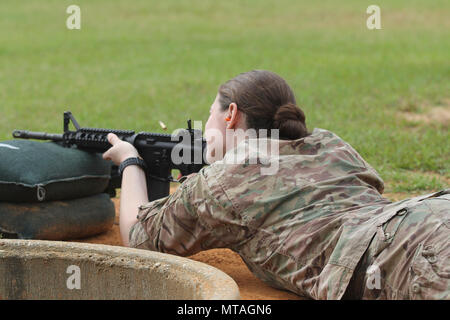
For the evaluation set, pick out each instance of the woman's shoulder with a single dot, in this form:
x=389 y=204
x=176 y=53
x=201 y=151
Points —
x=320 y=156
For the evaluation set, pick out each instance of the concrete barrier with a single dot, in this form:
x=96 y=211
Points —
x=35 y=269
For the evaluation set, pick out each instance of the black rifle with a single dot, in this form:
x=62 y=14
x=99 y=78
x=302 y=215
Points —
x=155 y=148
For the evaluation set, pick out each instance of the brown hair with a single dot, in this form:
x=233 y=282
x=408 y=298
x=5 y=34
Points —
x=267 y=101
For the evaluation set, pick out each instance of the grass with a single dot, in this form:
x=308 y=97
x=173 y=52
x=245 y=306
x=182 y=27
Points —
x=135 y=63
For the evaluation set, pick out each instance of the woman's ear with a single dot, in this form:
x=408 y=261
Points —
x=232 y=116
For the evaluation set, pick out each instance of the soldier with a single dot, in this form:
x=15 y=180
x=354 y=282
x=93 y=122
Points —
x=318 y=226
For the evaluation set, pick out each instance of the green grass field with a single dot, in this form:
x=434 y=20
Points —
x=134 y=63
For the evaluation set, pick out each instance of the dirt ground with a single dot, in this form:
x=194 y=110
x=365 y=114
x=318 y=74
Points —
x=439 y=115
x=224 y=259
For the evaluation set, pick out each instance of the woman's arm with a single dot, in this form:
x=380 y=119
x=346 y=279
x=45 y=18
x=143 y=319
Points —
x=133 y=192
x=197 y=216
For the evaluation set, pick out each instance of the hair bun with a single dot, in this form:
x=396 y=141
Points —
x=290 y=120
x=289 y=111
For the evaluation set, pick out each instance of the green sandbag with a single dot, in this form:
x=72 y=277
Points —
x=57 y=220
x=33 y=171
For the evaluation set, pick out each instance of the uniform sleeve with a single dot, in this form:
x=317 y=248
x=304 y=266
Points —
x=196 y=217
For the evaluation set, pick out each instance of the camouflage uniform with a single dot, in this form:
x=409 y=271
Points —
x=313 y=228
x=410 y=253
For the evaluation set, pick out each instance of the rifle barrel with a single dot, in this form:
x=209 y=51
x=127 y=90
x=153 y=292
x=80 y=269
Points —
x=25 y=134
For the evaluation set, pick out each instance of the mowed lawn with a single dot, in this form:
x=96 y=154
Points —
x=133 y=63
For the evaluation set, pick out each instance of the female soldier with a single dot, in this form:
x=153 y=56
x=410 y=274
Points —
x=318 y=227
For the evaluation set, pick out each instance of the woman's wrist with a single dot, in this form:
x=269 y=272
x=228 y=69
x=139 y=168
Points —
x=132 y=161
x=129 y=155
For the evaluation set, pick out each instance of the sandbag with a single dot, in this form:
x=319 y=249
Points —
x=57 y=220
x=33 y=171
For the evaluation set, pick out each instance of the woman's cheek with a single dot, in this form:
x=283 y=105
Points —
x=214 y=145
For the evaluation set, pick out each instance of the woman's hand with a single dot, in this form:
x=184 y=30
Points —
x=120 y=150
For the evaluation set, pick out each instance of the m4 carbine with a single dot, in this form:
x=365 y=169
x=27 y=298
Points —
x=161 y=152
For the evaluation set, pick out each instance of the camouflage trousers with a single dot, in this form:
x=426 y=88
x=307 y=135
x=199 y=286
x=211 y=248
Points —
x=409 y=256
